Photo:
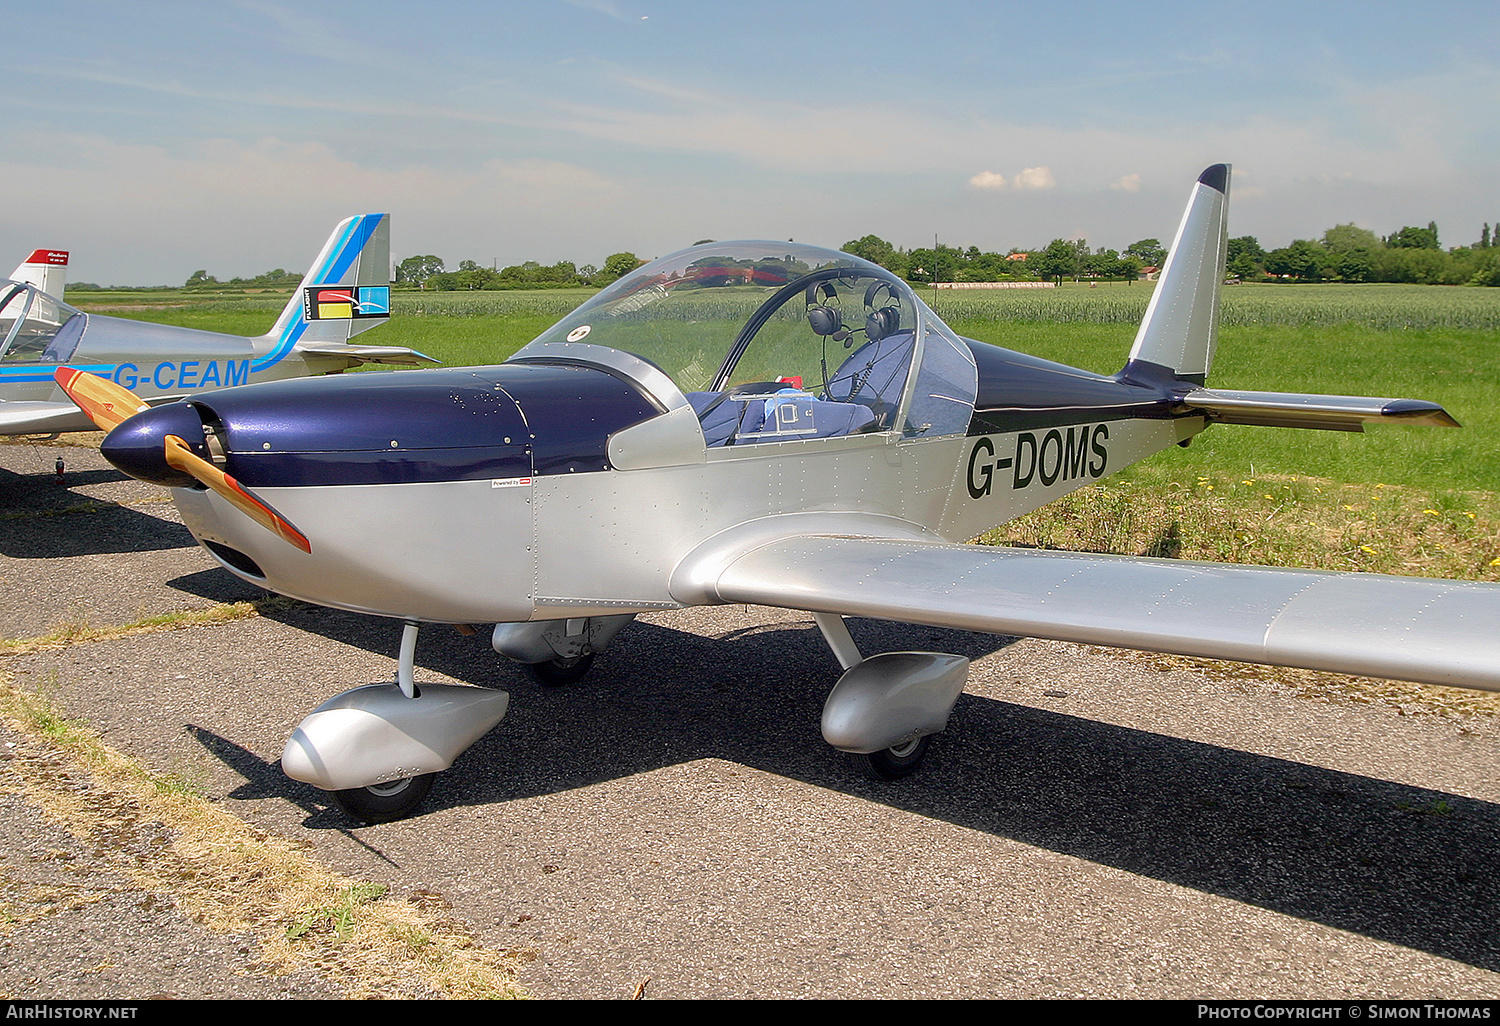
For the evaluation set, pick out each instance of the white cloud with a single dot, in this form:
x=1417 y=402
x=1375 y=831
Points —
x=987 y=180
x=1036 y=178
x=1129 y=183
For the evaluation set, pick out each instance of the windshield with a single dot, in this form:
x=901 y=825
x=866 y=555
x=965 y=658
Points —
x=778 y=341
x=35 y=327
x=687 y=312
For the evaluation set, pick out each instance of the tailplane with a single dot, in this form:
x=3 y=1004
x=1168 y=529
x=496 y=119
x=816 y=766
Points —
x=1178 y=335
x=1174 y=347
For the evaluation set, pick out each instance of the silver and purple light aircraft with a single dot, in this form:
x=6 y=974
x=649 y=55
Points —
x=346 y=292
x=763 y=423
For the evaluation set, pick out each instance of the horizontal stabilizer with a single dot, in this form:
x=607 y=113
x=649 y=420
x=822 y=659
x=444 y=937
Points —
x=1330 y=412
x=1402 y=628
x=399 y=355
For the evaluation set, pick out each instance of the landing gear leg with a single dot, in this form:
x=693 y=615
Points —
x=406 y=662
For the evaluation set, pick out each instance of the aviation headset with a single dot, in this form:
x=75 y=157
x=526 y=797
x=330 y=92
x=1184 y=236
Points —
x=823 y=314
x=885 y=320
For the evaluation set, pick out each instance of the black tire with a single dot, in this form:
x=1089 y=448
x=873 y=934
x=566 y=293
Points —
x=557 y=672
x=896 y=762
x=382 y=803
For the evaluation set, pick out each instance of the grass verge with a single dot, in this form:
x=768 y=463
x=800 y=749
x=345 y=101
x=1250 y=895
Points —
x=234 y=878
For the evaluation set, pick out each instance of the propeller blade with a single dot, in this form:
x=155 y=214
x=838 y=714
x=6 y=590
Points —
x=106 y=403
x=180 y=457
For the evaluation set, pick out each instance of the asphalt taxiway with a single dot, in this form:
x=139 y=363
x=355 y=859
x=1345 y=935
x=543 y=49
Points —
x=1091 y=825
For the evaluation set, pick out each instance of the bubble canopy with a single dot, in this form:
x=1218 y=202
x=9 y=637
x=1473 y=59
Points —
x=745 y=316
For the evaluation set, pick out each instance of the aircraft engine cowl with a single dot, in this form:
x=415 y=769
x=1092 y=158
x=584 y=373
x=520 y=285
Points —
x=459 y=424
x=138 y=445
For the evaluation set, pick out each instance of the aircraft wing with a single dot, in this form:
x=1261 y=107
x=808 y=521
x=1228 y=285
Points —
x=1402 y=628
x=41 y=418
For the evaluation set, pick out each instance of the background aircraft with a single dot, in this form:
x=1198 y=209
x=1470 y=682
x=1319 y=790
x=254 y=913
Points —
x=759 y=423
x=47 y=269
x=346 y=292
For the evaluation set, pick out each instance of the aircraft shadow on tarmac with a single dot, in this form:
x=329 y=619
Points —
x=1402 y=864
x=45 y=520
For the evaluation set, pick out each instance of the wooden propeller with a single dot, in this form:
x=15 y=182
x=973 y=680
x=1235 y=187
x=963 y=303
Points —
x=109 y=404
x=106 y=403
x=180 y=457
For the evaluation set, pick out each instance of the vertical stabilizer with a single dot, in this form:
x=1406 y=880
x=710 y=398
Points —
x=347 y=291
x=1181 y=326
x=47 y=269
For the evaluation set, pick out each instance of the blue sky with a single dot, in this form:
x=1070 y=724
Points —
x=152 y=139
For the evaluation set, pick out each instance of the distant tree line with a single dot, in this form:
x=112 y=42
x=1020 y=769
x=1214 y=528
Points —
x=277 y=279
x=1344 y=253
x=427 y=272
x=1060 y=258
x=1349 y=253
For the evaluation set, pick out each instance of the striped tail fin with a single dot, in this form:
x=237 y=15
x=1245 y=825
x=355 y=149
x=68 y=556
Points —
x=348 y=289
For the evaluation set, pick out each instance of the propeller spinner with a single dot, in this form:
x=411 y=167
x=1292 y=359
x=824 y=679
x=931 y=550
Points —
x=109 y=405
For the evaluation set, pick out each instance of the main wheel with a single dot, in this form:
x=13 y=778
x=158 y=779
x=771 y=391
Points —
x=557 y=672
x=381 y=803
x=895 y=762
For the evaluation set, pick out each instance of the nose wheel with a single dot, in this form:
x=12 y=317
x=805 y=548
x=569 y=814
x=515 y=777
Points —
x=381 y=803
x=557 y=672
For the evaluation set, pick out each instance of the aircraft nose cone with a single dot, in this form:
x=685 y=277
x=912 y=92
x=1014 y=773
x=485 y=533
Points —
x=138 y=445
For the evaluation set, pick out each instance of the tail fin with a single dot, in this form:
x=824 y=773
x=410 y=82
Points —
x=347 y=291
x=1181 y=326
x=47 y=269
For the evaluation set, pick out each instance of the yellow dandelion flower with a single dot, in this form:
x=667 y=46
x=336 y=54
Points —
x=1432 y=512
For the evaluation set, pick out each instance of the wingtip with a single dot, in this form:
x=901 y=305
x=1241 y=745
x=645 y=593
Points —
x=1216 y=177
